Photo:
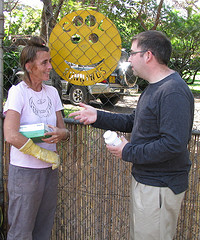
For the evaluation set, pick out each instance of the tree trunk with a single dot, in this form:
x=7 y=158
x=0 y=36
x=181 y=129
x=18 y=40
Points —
x=47 y=19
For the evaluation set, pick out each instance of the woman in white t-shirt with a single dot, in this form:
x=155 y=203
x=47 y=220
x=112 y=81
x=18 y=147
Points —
x=33 y=169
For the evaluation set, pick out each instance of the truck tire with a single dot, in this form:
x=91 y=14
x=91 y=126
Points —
x=78 y=94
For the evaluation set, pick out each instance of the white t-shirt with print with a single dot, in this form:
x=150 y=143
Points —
x=34 y=107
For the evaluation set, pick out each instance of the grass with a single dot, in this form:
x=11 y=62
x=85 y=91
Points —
x=70 y=109
x=195 y=87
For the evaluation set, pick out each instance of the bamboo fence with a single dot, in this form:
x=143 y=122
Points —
x=93 y=191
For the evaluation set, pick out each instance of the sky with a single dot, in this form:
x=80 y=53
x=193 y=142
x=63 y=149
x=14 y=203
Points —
x=39 y=4
x=33 y=3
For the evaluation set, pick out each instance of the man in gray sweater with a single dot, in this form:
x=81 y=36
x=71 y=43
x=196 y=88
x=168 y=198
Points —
x=160 y=130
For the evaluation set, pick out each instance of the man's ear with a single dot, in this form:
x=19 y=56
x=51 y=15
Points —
x=149 y=56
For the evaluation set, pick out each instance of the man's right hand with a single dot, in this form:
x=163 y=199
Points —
x=87 y=116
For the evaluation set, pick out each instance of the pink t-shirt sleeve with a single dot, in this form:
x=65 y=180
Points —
x=14 y=101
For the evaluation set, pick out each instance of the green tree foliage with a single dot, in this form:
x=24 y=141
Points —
x=185 y=37
x=130 y=17
x=20 y=20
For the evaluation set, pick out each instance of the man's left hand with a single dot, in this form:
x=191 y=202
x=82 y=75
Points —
x=117 y=150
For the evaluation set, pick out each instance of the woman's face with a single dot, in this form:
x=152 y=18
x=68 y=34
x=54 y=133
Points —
x=39 y=69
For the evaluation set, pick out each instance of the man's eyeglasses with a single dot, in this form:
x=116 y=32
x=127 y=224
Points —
x=132 y=53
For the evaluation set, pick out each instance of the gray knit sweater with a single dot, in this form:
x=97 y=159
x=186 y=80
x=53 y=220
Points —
x=160 y=130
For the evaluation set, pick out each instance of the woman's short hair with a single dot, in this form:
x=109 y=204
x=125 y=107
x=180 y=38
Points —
x=28 y=54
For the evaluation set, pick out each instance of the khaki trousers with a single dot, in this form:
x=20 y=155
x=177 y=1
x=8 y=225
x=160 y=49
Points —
x=154 y=212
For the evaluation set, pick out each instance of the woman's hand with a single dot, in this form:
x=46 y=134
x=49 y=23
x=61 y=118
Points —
x=57 y=135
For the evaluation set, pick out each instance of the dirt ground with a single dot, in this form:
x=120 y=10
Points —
x=128 y=104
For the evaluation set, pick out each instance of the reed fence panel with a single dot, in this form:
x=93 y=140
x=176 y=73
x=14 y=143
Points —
x=93 y=191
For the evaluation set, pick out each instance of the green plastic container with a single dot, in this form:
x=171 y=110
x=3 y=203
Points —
x=35 y=131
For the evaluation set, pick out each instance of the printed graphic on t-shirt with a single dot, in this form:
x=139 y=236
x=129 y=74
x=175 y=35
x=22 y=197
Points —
x=41 y=107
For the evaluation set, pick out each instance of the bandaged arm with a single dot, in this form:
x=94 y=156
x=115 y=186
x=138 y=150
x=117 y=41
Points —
x=41 y=153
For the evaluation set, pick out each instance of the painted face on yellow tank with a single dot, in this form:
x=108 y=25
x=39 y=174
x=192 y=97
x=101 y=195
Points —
x=85 y=47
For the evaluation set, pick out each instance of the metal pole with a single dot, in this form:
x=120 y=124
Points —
x=1 y=100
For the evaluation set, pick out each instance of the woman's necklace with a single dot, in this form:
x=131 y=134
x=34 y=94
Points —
x=39 y=96
x=39 y=104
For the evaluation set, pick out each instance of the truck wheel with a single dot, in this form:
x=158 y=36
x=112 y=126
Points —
x=78 y=94
x=110 y=100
